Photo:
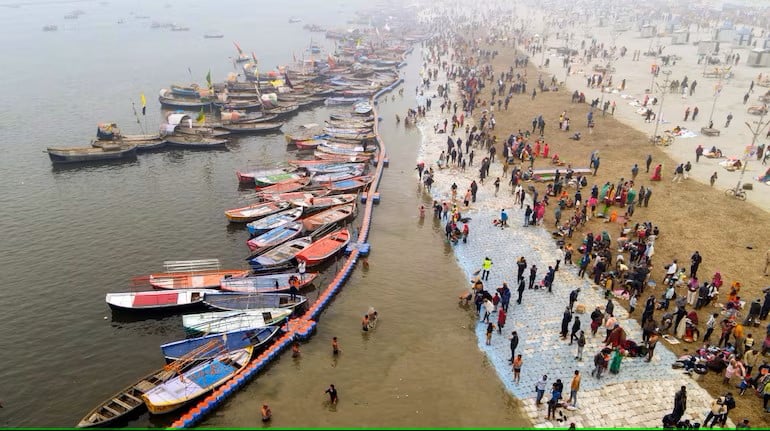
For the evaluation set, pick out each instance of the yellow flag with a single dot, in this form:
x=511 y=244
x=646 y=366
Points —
x=144 y=100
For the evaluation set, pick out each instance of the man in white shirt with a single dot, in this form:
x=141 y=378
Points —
x=670 y=271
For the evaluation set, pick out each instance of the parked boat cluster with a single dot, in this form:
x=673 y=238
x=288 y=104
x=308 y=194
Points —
x=297 y=221
x=297 y=216
x=220 y=111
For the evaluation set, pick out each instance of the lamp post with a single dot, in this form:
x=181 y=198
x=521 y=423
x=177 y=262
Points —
x=718 y=90
x=660 y=109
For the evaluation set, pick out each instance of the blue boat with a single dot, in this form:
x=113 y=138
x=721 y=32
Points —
x=274 y=221
x=274 y=237
x=231 y=341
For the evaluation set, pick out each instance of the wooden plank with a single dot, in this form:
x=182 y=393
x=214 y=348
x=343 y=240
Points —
x=191 y=265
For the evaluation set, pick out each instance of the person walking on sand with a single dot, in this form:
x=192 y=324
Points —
x=335 y=347
x=497 y=185
x=501 y=316
x=575 y=329
x=648 y=162
x=686 y=113
x=729 y=119
x=514 y=343
x=695 y=110
x=713 y=179
x=520 y=289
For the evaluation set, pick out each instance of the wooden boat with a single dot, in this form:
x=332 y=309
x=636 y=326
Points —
x=227 y=341
x=225 y=321
x=255 y=211
x=127 y=401
x=275 y=236
x=274 y=221
x=187 y=141
x=327 y=157
x=107 y=151
x=247 y=177
x=210 y=279
x=354 y=117
x=324 y=248
x=252 y=127
x=185 y=91
x=316 y=204
x=331 y=215
x=309 y=144
x=168 y=99
x=230 y=301
x=350 y=184
x=338 y=151
x=333 y=101
x=281 y=111
x=269 y=180
x=287 y=186
x=199 y=380
x=281 y=255
x=268 y=283
x=156 y=299
x=293 y=139
x=142 y=145
x=322 y=179
x=244 y=104
x=331 y=167
x=292 y=197
x=317 y=163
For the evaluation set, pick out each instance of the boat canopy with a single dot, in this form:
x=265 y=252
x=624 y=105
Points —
x=176 y=119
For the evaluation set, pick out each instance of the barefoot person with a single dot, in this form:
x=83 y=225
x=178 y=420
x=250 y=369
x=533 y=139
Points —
x=267 y=414
x=335 y=346
x=332 y=391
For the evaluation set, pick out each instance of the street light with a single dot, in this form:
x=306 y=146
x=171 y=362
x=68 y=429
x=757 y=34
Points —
x=713 y=105
x=660 y=109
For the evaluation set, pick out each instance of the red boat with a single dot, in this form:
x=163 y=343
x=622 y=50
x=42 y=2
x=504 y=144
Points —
x=285 y=186
x=324 y=248
x=309 y=144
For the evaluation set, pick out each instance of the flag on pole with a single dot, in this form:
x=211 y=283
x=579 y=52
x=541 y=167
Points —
x=144 y=103
x=201 y=117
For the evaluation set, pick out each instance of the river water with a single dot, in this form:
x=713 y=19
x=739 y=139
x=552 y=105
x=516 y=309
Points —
x=71 y=235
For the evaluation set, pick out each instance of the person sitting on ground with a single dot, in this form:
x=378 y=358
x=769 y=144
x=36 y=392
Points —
x=576 y=136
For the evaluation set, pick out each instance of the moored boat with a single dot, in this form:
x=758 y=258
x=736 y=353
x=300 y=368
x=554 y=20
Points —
x=247 y=176
x=156 y=299
x=229 y=341
x=315 y=204
x=281 y=255
x=199 y=380
x=269 y=180
x=350 y=184
x=268 y=283
x=255 y=211
x=198 y=279
x=230 y=301
x=105 y=152
x=294 y=197
x=127 y=401
x=252 y=127
x=324 y=248
x=273 y=221
x=331 y=215
x=275 y=236
x=286 y=186
x=225 y=321
x=193 y=142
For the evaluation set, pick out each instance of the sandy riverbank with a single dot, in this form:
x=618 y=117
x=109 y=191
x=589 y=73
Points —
x=638 y=81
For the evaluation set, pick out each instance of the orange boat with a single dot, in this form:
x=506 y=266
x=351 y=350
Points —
x=332 y=215
x=285 y=186
x=255 y=211
x=198 y=279
x=324 y=248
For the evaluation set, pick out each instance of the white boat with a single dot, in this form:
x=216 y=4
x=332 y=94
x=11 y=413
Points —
x=199 y=380
x=225 y=321
x=156 y=299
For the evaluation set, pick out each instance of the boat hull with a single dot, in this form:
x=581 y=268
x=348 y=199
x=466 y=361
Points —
x=62 y=156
